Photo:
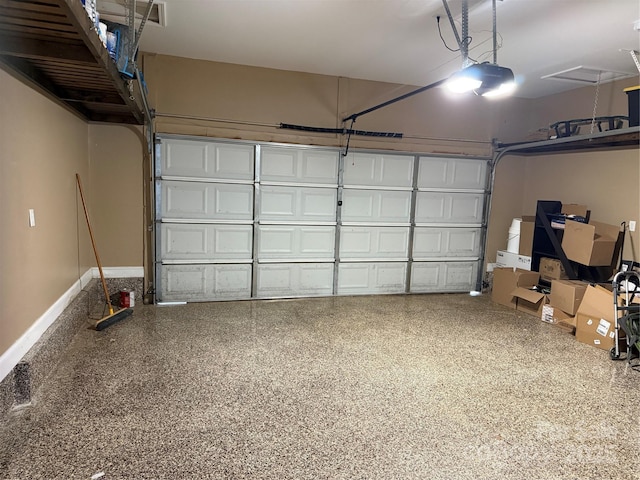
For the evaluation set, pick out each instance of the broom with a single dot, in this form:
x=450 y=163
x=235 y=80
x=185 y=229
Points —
x=113 y=317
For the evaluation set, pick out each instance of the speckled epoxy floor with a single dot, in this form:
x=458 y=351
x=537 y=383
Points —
x=384 y=387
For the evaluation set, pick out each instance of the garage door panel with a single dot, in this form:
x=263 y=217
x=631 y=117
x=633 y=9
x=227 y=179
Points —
x=234 y=162
x=320 y=167
x=294 y=279
x=464 y=242
x=426 y=277
x=206 y=201
x=433 y=172
x=279 y=164
x=284 y=164
x=205 y=282
x=373 y=169
x=376 y=206
x=443 y=276
x=372 y=242
x=371 y=278
x=448 y=207
x=281 y=203
x=452 y=173
x=295 y=242
x=430 y=207
x=428 y=242
x=318 y=204
x=276 y=242
x=317 y=241
x=460 y=277
x=206 y=242
x=467 y=208
x=196 y=159
x=469 y=174
x=395 y=206
x=277 y=203
x=446 y=242
x=185 y=159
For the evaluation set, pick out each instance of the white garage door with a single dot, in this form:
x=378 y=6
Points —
x=238 y=220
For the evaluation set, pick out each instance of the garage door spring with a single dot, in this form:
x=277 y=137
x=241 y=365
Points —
x=341 y=131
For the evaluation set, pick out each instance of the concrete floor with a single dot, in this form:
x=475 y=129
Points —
x=384 y=387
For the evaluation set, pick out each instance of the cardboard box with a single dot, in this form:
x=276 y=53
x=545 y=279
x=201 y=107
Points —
x=530 y=301
x=527 y=226
x=513 y=260
x=506 y=280
x=567 y=294
x=551 y=269
x=595 y=319
x=574 y=209
x=554 y=315
x=568 y=325
x=590 y=243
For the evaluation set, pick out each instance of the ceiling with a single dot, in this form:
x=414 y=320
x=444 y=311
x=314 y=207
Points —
x=397 y=40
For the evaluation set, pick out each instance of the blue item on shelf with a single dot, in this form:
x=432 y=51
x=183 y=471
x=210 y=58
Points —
x=112 y=44
x=124 y=63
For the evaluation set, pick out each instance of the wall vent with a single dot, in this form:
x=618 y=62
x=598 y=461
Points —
x=114 y=11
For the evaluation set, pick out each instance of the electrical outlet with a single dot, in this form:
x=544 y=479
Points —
x=32 y=217
x=632 y=225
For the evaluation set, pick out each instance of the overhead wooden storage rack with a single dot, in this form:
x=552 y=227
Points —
x=53 y=45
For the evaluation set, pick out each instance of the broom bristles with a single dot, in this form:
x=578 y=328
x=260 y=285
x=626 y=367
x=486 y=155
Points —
x=113 y=318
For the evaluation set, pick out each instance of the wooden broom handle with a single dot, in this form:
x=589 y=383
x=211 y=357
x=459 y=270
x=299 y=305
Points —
x=93 y=244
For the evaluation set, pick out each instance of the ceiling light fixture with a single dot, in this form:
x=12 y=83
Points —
x=484 y=79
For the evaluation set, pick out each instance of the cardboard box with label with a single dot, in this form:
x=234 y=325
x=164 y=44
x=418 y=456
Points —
x=513 y=260
x=567 y=294
x=557 y=317
x=551 y=269
x=595 y=319
x=590 y=243
x=506 y=280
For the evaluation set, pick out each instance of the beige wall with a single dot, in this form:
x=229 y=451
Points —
x=42 y=146
x=116 y=172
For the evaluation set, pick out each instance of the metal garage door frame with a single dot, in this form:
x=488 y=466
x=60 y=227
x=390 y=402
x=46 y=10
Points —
x=415 y=189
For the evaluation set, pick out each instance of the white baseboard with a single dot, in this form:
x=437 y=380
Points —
x=118 y=272
x=11 y=357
